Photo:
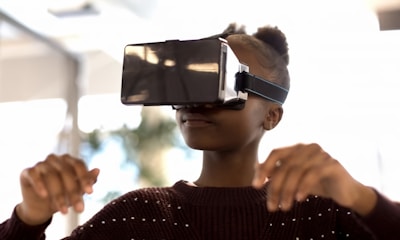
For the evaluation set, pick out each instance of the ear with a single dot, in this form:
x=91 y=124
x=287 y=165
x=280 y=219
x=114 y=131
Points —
x=273 y=116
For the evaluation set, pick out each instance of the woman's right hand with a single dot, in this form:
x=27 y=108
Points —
x=53 y=185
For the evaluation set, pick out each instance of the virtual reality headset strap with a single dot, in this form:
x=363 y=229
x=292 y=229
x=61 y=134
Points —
x=247 y=82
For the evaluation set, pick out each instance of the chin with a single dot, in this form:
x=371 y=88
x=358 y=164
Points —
x=202 y=146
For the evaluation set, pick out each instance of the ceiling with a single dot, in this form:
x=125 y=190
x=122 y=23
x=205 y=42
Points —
x=81 y=25
x=76 y=25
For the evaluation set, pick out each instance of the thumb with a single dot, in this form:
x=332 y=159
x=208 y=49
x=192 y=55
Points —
x=259 y=177
x=91 y=180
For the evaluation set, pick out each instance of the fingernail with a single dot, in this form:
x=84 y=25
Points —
x=79 y=206
x=271 y=206
x=299 y=197
x=64 y=209
x=88 y=189
x=285 y=206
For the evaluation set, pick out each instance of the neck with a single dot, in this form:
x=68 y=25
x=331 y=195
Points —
x=227 y=169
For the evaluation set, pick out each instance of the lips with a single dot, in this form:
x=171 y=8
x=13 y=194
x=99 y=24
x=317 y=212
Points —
x=195 y=119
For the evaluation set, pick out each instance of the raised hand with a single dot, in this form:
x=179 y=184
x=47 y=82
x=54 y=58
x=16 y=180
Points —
x=306 y=169
x=53 y=185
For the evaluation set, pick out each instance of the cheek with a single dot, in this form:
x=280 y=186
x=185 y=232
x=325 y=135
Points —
x=253 y=121
x=244 y=127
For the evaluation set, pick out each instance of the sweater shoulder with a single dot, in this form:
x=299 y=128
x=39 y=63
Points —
x=136 y=212
x=151 y=193
x=143 y=200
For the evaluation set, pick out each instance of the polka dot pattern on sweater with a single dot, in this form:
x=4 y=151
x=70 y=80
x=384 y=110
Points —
x=198 y=213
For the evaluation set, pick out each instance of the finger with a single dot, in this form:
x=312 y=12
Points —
x=295 y=173
x=93 y=175
x=85 y=178
x=31 y=177
x=71 y=185
x=286 y=177
x=283 y=185
x=54 y=186
x=287 y=189
x=267 y=168
x=83 y=181
x=274 y=189
x=313 y=183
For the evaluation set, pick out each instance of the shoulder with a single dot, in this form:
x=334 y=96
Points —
x=136 y=213
x=329 y=218
x=144 y=199
x=321 y=209
x=151 y=199
x=134 y=207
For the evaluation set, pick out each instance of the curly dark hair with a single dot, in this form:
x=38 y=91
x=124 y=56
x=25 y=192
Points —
x=271 y=46
x=276 y=39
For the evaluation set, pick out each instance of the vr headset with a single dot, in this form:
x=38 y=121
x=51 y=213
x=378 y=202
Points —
x=190 y=73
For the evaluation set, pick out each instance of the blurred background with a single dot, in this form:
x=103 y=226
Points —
x=60 y=76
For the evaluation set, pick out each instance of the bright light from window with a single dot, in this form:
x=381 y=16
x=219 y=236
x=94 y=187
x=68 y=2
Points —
x=106 y=112
x=29 y=132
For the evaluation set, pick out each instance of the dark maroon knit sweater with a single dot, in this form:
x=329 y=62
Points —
x=187 y=212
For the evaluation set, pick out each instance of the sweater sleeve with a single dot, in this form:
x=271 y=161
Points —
x=13 y=228
x=384 y=220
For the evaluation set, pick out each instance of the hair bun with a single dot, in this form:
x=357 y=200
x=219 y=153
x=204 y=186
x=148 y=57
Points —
x=275 y=38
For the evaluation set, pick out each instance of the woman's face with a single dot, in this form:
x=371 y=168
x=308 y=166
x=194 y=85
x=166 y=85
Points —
x=215 y=128
x=220 y=129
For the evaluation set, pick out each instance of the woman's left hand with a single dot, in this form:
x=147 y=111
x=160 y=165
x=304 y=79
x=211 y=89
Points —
x=300 y=170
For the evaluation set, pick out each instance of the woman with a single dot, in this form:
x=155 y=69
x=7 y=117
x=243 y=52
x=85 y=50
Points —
x=298 y=192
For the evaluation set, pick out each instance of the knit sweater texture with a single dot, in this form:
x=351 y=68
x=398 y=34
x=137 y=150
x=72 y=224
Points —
x=187 y=212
